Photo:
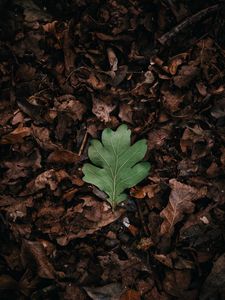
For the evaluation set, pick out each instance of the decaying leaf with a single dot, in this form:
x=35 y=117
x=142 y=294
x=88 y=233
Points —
x=186 y=75
x=16 y=136
x=102 y=109
x=180 y=202
x=116 y=163
x=110 y=291
x=63 y=157
x=34 y=252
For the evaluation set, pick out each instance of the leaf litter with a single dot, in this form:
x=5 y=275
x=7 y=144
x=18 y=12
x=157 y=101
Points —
x=72 y=69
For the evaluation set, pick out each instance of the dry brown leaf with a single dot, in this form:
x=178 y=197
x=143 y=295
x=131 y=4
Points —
x=63 y=157
x=174 y=64
x=120 y=75
x=18 y=209
x=16 y=136
x=42 y=137
x=196 y=140
x=172 y=101
x=70 y=105
x=157 y=137
x=49 y=178
x=113 y=61
x=180 y=202
x=126 y=113
x=164 y=259
x=202 y=89
x=186 y=75
x=148 y=190
x=130 y=295
x=33 y=254
x=86 y=218
x=102 y=109
x=95 y=82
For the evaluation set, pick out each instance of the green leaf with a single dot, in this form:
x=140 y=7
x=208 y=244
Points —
x=117 y=164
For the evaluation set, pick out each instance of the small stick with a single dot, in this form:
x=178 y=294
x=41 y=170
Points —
x=83 y=144
x=167 y=37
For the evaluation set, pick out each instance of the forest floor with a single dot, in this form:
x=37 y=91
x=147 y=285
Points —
x=68 y=70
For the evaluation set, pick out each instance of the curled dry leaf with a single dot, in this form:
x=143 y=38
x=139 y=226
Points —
x=148 y=190
x=164 y=259
x=120 y=75
x=69 y=104
x=42 y=137
x=113 y=61
x=102 y=109
x=174 y=64
x=126 y=113
x=180 y=202
x=95 y=82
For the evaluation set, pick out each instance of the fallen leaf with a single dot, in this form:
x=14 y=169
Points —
x=33 y=255
x=49 y=178
x=126 y=113
x=70 y=105
x=42 y=137
x=157 y=137
x=63 y=157
x=130 y=295
x=149 y=190
x=110 y=291
x=73 y=292
x=218 y=109
x=164 y=259
x=113 y=61
x=186 y=74
x=102 y=109
x=16 y=136
x=172 y=101
x=180 y=202
x=174 y=64
x=120 y=75
x=202 y=89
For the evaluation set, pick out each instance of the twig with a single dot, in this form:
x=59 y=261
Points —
x=167 y=37
x=83 y=143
